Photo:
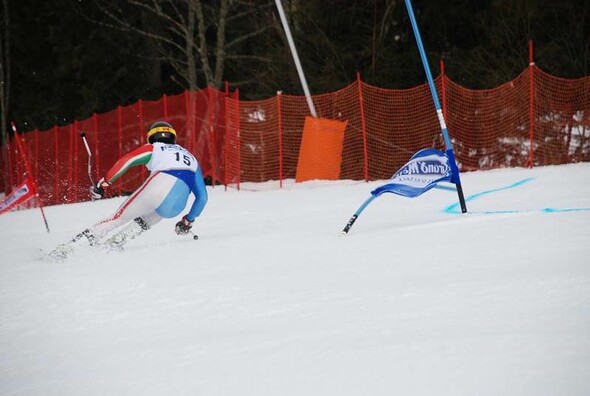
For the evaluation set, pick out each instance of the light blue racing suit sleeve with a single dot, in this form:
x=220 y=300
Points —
x=200 y=191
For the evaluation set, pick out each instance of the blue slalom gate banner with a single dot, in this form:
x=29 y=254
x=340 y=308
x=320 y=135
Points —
x=429 y=166
x=426 y=168
x=423 y=171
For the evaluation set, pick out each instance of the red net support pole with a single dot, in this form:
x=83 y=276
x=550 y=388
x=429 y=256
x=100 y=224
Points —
x=225 y=137
x=71 y=159
x=75 y=161
x=5 y=175
x=210 y=120
x=36 y=132
x=187 y=119
x=280 y=128
x=194 y=107
x=3 y=167
x=120 y=135
x=239 y=139
x=363 y=127
x=141 y=135
x=194 y=119
x=9 y=155
x=443 y=89
x=531 y=105
x=17 y=165
x=57 y=166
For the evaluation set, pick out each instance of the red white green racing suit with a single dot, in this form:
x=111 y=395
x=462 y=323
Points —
x=175 y=174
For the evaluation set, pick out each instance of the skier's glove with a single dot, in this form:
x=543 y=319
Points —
x=183 y=226
x=98 y=191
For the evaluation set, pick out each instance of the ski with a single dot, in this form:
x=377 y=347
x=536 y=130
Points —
x=115 y=243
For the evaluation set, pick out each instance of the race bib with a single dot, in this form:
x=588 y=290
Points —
x=170 y=157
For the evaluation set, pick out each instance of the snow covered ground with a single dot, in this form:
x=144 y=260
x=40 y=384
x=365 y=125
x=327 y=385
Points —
x=272 y=299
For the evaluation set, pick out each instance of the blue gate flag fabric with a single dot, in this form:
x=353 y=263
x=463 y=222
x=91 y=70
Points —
x=425 y=169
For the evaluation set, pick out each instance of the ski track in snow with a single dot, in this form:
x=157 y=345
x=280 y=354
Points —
x=273 y=300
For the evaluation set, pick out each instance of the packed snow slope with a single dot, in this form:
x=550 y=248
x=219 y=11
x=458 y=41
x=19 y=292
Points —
x=272 y=299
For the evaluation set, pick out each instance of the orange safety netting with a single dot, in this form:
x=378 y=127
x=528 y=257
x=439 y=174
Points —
x=534 y=120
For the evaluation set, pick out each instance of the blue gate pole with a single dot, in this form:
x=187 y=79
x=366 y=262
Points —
x=441 y=120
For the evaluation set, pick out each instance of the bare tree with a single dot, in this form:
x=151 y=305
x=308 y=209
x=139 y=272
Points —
x=194 y=37
x=502 y=53
x=4 y=86
x=568 y=40
x=4 y=71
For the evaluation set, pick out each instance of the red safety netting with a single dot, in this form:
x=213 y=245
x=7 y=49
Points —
x=561 y=119
x=489 y=128
x=535 y=119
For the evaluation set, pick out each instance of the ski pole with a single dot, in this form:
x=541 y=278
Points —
x=83 y=135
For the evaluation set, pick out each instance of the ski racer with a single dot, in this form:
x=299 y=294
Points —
x=174 y=175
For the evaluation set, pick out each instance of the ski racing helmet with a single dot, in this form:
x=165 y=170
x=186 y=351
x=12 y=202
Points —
x=162 y=132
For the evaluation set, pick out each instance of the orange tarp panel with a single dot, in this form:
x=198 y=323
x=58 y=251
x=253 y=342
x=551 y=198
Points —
x=320 y=154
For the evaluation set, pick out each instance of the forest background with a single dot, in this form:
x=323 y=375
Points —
x=65 y=60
